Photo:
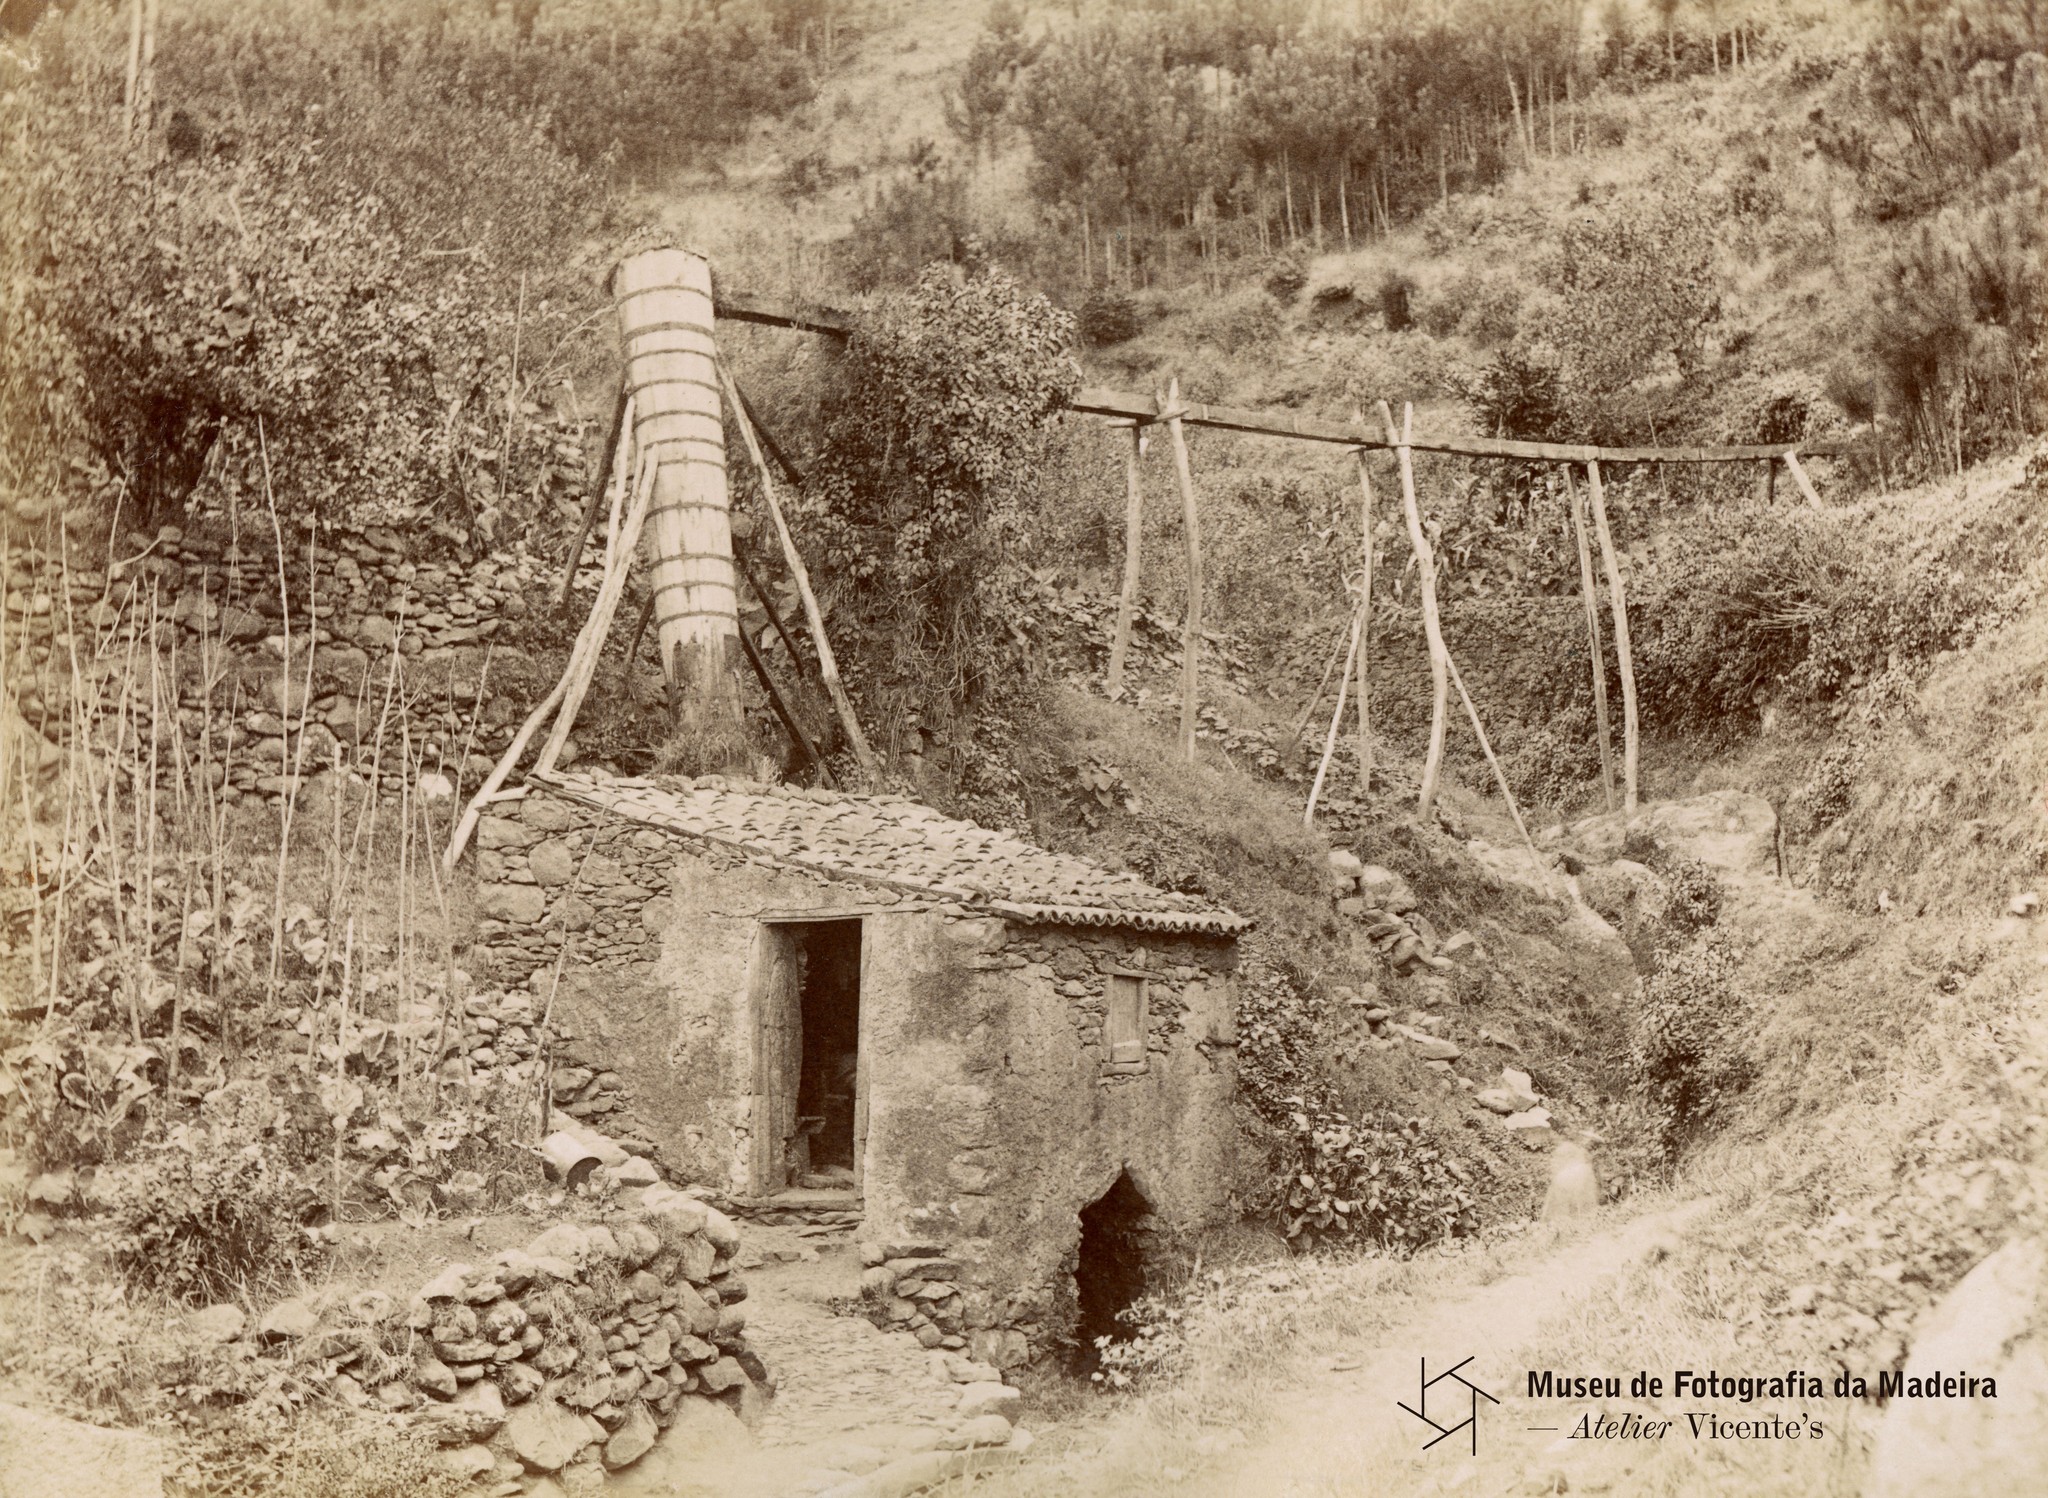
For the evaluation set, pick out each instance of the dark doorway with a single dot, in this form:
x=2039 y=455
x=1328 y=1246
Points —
x=828 y=1068
x=1109 y=1269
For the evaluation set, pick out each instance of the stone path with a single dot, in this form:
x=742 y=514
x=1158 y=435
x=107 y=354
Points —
x=849 y=1401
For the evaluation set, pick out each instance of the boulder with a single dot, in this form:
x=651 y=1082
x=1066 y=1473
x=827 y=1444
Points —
x=554 y=861
x=1344 y=863
x=1732 y=832
x=700 y=1433
x=287 y=1320
x=467 y=1461
x=448 y=1284
x=217 y=1323
x=520 y=904
x=636 y=1171
x=1496 y=1099
x=1383 y=889
x=544 y=1435
x=720 y=1376
x=632 y=1440
x=45 y=1456
x=1428 y=1047
x=982 y=1430
x=1993 y=1324
x=989 y=1399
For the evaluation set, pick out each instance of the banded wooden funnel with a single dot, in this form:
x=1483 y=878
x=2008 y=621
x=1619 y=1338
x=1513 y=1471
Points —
x=663 y=298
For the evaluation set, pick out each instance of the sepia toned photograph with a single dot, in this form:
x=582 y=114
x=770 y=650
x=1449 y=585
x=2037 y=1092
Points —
x=1107 y=749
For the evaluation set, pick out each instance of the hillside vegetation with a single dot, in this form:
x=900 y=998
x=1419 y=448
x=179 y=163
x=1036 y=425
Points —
x=314 y=309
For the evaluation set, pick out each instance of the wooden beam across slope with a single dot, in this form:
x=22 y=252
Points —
x=1120 y=405
x=1125 y=406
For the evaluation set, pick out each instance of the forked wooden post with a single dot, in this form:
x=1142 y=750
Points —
x=1365 y=637
x=1589 y=591
x=1432 y=626
x=1191 y=523
x=1623 y=655
x=1134 y=539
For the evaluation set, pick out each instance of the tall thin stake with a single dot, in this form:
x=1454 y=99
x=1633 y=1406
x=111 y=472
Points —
x=1590 y=592
x=1315 y=791
x=1191 y=526
x=828 y=666
x=1134 y=545
x=1365 y=634
x=1621 y=648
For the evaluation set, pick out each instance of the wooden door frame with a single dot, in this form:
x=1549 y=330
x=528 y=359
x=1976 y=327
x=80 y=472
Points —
x=765 y=1166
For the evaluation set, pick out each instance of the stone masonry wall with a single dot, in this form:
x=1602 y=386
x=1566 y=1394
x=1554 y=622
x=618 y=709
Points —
x=650 y=1030
x=191 y=622
x=578 y=1350
x=977 y=1176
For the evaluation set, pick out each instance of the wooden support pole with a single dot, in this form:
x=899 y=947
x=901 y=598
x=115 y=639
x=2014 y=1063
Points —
x=1134 y=539
x=1500 y=776
x=1191 y=524
x=1365 y=636
x=1589 y=591
x=595 y=627
x=1315 y=791
x=1619 y=600
x=1805 y=484
x=622 y=417
x=1432 y=626
x=590 y=644
x=1767 y=482
x=828 y=667
x=795 y=729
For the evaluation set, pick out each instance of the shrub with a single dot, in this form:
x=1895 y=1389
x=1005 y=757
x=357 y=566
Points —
x=250 y=1453
x=1154 y=1351
x=935 y=438
x=1285 y=276
x=202 y=1218
x=1382 y=1180
x=1686 y=1042
x=1518 y=394
x=1638 y=286
x=1107 y=318
x=1792 y=406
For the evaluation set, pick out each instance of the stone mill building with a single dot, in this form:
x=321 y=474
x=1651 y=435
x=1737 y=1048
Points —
x=1013 y=1064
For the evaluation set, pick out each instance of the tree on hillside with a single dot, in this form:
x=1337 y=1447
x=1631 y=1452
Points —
x=932 y=441
x=1638 y=285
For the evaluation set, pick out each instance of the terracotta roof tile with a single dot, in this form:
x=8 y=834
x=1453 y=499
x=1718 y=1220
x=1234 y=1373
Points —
x=897 y=842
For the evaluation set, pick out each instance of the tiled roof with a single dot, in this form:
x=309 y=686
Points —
x=900 y=843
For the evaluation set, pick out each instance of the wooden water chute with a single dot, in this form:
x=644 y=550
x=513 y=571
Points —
x=664 y=305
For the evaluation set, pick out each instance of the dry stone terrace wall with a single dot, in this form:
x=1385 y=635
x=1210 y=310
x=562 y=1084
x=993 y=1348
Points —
x=568 y=1356
x=212 y=691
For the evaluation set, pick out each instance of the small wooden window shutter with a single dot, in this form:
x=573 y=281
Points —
x=1124 y=1026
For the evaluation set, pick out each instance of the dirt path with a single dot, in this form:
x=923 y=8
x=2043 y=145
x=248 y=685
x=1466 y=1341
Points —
x=1336 y=1426
x=1349 y=1424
